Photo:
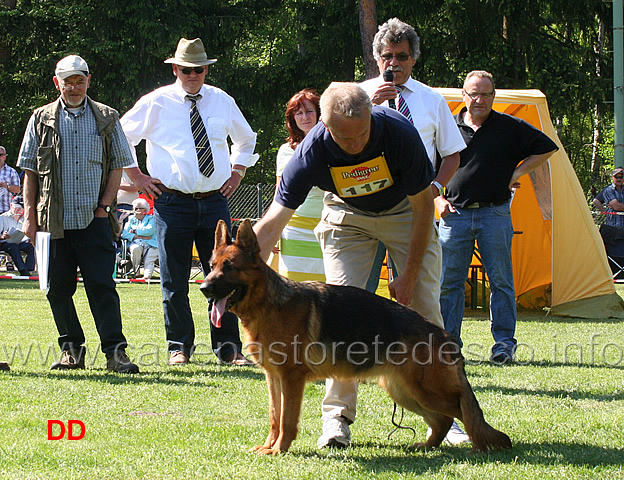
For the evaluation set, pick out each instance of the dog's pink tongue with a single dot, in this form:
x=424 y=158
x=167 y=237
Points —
x=217 y=311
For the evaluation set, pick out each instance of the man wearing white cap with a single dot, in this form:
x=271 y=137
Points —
x=192 y=173
x=73 y=153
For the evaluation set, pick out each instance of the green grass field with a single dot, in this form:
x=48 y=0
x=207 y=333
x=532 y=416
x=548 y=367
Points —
x=562 y=405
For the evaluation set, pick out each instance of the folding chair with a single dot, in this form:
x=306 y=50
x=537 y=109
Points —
x=124 y=265
x=613 y=238
x=4 y=259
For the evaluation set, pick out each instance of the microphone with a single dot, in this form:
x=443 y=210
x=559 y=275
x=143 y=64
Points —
x=388 y=76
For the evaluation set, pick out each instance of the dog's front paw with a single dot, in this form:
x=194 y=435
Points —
x=264 y=450
x=420 y=446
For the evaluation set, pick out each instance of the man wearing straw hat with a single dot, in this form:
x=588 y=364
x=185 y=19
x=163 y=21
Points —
x=191 y=175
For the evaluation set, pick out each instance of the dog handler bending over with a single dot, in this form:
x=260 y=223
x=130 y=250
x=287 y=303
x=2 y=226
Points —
x=375 y=170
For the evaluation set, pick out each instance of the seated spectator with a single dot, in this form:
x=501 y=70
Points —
x=9 y=182
x=127 y=193
x=150 y=202
x=11 y=226
x=611 y=199
x=140 y=232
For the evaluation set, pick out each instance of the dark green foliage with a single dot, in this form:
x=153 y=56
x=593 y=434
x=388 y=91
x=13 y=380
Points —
x=268 y=49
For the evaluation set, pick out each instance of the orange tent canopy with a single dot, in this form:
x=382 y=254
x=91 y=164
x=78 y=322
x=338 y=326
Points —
x=558 y=255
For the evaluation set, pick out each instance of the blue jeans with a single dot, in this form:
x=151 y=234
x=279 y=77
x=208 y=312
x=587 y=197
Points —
x=180 y=221
x=492 y=229
x=15 y=249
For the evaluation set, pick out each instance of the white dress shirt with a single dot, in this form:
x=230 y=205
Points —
x=162 y=119
x=431 y=115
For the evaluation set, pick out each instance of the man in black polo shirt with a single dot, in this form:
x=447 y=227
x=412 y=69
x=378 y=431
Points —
x=500 y=150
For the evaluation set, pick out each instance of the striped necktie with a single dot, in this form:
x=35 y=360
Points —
x=202 y=145
x=403 y=104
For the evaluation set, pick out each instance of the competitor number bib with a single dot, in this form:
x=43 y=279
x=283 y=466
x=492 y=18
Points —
x=362 y=179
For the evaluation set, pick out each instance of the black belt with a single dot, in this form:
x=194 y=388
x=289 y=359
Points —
x=485 y=204
x=196 y=195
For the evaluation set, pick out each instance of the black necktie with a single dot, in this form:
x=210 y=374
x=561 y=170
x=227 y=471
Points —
x=202 y=145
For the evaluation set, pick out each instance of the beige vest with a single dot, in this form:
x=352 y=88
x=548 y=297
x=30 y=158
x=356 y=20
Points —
x=50 y=191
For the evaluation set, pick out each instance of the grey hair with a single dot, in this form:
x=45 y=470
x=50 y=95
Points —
x=395 y=31
x=141 y=203
x=480 y=74
x=346 y=99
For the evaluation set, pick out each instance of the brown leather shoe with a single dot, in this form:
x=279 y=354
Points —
x=178 y=358
x=70 y=360
x=119 y=362
x=238 y=360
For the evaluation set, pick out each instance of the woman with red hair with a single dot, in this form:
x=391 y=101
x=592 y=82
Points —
x=300 y=256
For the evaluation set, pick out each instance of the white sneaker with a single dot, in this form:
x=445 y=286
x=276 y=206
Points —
x=455 y=435
x=336 y=433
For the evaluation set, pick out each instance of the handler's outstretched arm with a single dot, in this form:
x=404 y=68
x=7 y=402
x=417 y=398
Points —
x=269 y=228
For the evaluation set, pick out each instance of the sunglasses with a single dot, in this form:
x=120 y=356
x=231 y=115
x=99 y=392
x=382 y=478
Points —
x=188 y=70
x=619 y=177
x=401 y=57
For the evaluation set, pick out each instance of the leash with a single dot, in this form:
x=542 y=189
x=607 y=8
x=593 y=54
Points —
x=397 y=426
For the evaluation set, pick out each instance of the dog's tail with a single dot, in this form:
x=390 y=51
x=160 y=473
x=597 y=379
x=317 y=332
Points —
x=484 y=437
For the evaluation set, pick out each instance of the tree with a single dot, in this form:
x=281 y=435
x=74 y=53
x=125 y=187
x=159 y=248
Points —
x=269 y=49
x=368 y=28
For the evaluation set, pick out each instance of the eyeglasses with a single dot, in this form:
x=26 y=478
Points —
x=139 y=209
x=476 y=95
x=188 y=70
x=401 y=57
x=619 y=177
x=74 y=86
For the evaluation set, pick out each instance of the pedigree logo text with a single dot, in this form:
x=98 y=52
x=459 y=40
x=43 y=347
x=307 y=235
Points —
x=361 y=174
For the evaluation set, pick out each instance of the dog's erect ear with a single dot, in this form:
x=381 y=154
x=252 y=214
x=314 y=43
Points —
x=222 y=236
x=246 y=238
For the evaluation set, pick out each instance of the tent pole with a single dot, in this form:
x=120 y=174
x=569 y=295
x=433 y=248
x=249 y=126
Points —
x=618 y=82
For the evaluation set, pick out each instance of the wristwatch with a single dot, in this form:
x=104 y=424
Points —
x=439 y=186
x=106 y=208
x=240 y=171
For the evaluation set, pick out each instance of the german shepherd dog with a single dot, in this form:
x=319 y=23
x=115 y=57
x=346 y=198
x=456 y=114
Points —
x=303 y=331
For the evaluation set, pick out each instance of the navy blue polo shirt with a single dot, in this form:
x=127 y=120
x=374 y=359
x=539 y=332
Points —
x=392 y=136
